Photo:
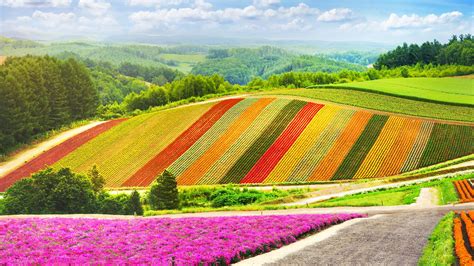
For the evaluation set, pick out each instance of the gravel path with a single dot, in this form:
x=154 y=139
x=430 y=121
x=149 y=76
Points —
x=394 y=239
x=24 y=156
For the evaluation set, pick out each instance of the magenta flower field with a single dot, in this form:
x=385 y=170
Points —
x=188 y=241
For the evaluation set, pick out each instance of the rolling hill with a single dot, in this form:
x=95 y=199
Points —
x=455 y=91
x=262 y=140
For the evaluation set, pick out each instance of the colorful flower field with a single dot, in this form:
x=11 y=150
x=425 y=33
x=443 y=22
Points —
x=266 y=140
x=464 y=237
x=158 y=241
x=465 y=190
x=53 y=155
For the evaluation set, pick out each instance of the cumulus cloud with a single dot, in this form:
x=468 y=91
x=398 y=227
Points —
x=35 y=3
x=50 y=19
x=415 y=21
x=157 y=3
x=95 y=7
x=265 y=3
x=336 y=15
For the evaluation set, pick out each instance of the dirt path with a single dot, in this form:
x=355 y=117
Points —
x=25 y=156
x=395 y=239
x=428 y=197
x=373 y=210
x=350 y=189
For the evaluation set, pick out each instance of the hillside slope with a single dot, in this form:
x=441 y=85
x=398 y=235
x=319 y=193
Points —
x=266 y=140
x=457 y=91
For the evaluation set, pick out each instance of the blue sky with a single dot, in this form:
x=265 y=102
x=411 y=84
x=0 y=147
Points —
x=378 y=21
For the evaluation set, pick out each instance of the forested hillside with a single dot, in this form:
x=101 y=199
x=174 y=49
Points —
x=458 y=50
x=239 y=65
x=42 y=93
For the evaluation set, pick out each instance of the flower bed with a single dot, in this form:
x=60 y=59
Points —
x=465 y=190
x=188 y=241
x=464 y=238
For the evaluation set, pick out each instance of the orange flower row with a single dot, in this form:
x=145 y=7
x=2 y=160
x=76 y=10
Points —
x=462 y=253
x=465 y=190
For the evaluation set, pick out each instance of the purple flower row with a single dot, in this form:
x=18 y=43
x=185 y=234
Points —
x=188 y=241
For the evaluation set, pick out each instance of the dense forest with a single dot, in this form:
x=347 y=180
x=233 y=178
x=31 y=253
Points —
x=457 y=51
x=42 y=93
x=239 y=65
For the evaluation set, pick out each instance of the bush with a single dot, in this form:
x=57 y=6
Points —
x=164 y=192
x=51 y=192
x=110 y=204
x=2 y=207
x=134 y=206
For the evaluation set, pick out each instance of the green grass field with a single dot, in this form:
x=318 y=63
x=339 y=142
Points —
x=440 y=247
x=445 y=90
x=385 y=103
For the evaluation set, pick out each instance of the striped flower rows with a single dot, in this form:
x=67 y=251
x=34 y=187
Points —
x=464 y=238
x=270 y=140
x=280 y=140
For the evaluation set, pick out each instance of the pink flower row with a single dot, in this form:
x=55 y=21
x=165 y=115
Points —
x=188 y=241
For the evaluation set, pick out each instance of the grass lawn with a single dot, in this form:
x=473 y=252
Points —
x=379 y=198
x=398 y=196
x=449 y=90
x=383 y=103
x=440 y=247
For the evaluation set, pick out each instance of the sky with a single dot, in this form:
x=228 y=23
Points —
x=386 y=21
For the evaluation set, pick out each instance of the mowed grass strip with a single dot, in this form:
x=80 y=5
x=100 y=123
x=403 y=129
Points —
x=218 y=169
x=203 y=143
x=193 y=174
x=54 y=154
x=417 y=150
x=301 y=146
x=121 y=151
x=262 y=143
x=382 y=102
x=277 y=150
x=449 y=90
x=145 y=175
x=398 y=153
x=361 y=147
x=341 y=147
x=447 y=142
x=381 y=147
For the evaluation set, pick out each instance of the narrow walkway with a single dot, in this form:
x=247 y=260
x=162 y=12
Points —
x=395 y=239
x=367 y=189
x=428 y=197
x=24 y=156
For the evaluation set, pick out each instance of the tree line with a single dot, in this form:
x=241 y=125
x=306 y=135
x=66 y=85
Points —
x=42 y=93
x=457 y=51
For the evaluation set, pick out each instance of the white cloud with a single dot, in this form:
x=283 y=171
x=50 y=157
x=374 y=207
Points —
x=35 y=3
x=202 y=4
x=336 y=15
x=157 y=3
x=49 y=19
x=265 y=3
x=95 y=7
x=415 y=21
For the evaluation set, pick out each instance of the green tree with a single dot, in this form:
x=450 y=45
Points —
x=50 y=191
x=164 y=192
x=97 y=180
x=134 y=206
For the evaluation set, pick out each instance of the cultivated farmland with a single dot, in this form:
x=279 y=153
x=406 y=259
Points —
x=266 y=140
x=445 y=90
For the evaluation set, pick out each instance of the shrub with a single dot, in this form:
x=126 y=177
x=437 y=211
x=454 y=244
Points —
x=97 y=180
x=164 y=193
x=51 y=192
x=134 y=206
x=112 y=204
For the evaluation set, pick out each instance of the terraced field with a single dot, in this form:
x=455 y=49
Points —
x=266 y=140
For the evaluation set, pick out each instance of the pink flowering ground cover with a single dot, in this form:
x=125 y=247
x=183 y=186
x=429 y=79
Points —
x=190 y=241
